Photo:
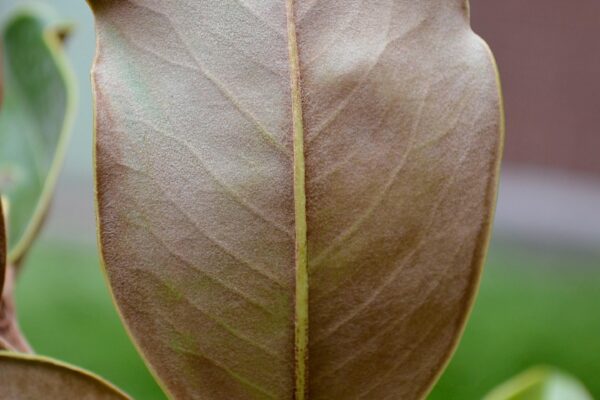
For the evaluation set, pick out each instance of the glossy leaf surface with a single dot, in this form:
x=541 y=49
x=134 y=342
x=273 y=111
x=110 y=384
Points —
x=35 y=119
x=294 y=197
x=32 y=377
x=541 y=384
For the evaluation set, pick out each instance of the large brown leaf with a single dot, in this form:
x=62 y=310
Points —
x=31 y=378
x=265 y=166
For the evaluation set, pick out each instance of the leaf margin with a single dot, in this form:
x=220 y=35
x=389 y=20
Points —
x=485 y=243
x=51 y=362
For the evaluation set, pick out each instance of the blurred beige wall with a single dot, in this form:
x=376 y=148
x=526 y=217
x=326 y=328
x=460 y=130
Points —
x=548 y=52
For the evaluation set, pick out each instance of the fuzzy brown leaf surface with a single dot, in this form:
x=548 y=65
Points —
x=24 y=377
x=294 y=197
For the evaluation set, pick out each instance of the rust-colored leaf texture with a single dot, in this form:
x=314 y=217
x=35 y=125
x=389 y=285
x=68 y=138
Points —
x=26 y=377
x=294 y=196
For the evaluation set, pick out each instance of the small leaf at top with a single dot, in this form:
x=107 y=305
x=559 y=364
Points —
x=35 y=119
x=541 y=383
x=24 y=377
x=294 y=196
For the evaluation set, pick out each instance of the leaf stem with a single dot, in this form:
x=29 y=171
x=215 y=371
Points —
x=301 y=295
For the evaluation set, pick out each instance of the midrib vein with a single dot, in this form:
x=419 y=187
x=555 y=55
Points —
x=301 y=293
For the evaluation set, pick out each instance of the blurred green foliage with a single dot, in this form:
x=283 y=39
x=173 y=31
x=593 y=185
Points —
x=533 y=308
x=540 y=383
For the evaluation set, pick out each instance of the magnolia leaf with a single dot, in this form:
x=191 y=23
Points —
x=24 y=377
x=294 y=197
x=35 y=119
x=540 y=383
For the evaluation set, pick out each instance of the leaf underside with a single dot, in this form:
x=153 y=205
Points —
x=269 y=169
x=31 y=377
x=35 y=119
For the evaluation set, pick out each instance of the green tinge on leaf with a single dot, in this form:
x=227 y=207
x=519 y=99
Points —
x=34 y=377
x=35 y=120
x=540 y=383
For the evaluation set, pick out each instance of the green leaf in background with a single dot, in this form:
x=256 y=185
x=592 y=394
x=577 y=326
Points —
x=540 y=383
x=26 y=377
x=35 y=119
